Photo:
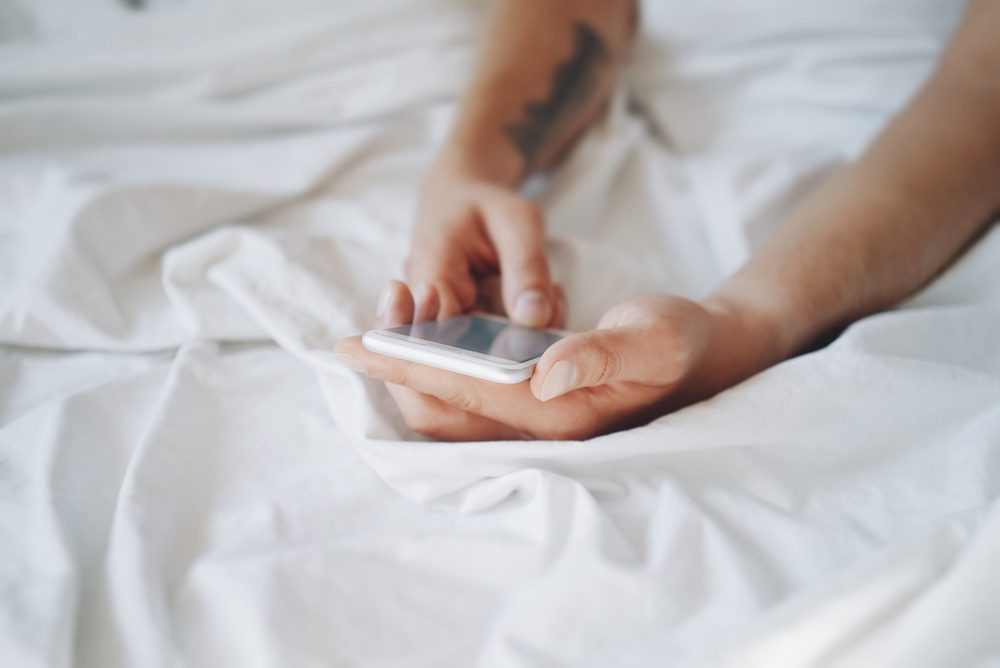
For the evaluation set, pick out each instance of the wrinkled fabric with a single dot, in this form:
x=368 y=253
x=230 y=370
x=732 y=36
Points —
x=197 y=202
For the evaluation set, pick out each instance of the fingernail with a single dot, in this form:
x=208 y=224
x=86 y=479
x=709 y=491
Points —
x=392 y=316
x=351 y=362
x=383 y=303
x=531 y=308
x=561 y=379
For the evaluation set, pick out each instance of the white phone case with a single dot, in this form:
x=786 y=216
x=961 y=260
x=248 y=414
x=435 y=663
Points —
x=448 y=358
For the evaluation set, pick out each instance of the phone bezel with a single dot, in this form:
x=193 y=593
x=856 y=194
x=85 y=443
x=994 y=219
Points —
x=451 y=358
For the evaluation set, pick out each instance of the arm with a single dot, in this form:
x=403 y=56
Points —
x=886 y=225
x=869 y=237
x=545 y=71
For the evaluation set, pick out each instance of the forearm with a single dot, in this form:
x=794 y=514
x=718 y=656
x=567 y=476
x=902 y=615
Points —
x=546 y=69
x=886 y=225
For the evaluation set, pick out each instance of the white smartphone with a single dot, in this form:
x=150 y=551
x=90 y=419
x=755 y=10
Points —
x=479 y=345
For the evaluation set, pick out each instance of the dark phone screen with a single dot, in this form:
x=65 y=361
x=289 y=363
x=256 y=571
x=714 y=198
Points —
x=483 y=335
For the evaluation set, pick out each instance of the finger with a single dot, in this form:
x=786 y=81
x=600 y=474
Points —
x=513 y=405
x=395 y=306
x=423 y=413
x=517 y=229
x=426 y=302
x=432 y=417
x=440 y=265
x=558 y=320
x=565 y=418
x=489 y=299
x=449 y=303
x=645 y=355
x=445 y=385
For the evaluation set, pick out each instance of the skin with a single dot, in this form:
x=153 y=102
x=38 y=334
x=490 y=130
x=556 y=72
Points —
x=868 y=237
x=545 y=72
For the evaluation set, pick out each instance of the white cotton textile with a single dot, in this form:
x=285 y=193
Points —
x=198 y=200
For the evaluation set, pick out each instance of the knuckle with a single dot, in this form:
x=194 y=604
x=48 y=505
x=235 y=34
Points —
x=529 y=260
x=519 y=210
x=450 y=302
x=423 y=421
x=464 y=401
x=466 y=293
x=391 y=374
x=534 y=254
x=609 y=360
x=679 y=355
x=684 y=360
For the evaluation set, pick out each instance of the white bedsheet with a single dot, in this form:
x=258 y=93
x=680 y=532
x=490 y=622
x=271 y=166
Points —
x=197 y=201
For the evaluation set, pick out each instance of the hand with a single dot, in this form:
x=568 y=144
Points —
x=423 y=413
x=468 y=230
x=647 y=356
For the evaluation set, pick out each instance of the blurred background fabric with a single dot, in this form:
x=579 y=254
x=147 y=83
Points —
x=197 y=199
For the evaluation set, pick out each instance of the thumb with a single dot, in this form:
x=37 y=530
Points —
x=517 y=229
x=638 y=354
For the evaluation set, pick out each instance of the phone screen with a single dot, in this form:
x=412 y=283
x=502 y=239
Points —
x=484 y=336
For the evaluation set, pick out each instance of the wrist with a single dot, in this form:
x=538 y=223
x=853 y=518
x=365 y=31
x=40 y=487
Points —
x=478 y=156
x=750 y=335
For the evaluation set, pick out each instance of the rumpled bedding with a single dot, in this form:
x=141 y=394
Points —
x=198 y=199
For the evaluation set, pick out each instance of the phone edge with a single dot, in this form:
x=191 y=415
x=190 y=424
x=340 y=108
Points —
x=374 y=341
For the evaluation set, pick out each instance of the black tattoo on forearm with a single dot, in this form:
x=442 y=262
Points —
x=573 y=83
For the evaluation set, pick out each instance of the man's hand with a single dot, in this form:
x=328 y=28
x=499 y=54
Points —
x=647 y=356
x=544 y=73
x=865 y=239
x=423 y=413
x=468 y=231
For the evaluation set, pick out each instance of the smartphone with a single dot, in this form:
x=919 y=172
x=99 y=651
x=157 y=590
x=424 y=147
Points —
x=478 y=345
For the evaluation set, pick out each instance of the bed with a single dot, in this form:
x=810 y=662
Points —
x=197 y=199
